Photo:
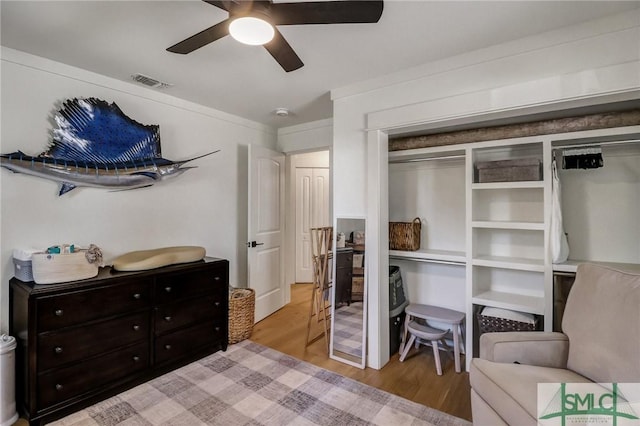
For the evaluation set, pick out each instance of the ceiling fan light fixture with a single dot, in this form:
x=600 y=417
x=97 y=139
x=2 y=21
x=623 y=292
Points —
x=251 y=30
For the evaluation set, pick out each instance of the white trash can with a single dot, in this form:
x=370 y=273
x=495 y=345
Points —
x=8 y=414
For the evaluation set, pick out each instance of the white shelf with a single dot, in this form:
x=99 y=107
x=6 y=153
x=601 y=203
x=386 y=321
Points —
x=494 y=224
x=517 y=263
x=430 y=255
x=512 y=301
x=509 y=185
x=572 y=266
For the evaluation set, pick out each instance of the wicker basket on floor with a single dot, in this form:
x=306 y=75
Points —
x=242 y=302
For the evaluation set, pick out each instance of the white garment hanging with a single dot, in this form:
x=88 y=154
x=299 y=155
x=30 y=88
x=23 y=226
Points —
x=559 y=243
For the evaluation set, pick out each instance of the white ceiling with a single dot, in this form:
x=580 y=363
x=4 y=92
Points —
x=119 y=38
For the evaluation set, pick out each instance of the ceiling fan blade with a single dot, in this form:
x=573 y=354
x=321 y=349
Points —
x=203 y=38
x=282 y=52
x=222 y=4
x=326 y=12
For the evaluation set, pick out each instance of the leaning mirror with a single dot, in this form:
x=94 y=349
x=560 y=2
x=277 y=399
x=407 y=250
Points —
x=349 y=308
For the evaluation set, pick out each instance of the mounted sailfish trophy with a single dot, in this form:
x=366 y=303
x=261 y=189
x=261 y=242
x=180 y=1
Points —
x=96 y=145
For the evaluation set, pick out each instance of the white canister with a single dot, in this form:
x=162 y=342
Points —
x=340 y=240
x=8 y=413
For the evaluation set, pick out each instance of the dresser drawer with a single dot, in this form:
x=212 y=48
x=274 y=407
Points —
x=180 y=314
x=172 y=287
x=176 y=345
x=58 y=348
x=345 y=260
x=60 y=385
x=72 y=308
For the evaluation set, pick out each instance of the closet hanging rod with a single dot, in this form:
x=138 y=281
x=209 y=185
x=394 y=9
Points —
x=442 y=262
x=603 y=143
x=417 y=160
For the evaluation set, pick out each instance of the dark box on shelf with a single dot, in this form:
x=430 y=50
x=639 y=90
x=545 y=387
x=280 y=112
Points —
x=523 y=169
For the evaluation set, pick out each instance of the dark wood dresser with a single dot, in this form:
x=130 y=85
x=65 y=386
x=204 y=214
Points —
x=80 y=342
x=344 y=275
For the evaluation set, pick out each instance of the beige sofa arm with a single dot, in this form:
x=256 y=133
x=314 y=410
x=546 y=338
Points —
x=529 y=347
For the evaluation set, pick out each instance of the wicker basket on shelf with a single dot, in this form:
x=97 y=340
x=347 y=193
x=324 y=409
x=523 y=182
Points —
x=242 y=302
x=490 y=324
x=405 y=235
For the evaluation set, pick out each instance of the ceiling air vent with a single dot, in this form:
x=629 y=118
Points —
x=150 y=82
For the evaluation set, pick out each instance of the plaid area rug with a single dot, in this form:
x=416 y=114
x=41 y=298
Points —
x=254 y=385
x=347 y=333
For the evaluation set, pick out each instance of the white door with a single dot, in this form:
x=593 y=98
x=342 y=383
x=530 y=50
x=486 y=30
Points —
x=312 y=210
x=265 y=251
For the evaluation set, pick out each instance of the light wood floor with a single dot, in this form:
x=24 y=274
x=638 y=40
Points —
x=414 y=379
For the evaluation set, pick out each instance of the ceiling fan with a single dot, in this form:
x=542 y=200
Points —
x=268 y=15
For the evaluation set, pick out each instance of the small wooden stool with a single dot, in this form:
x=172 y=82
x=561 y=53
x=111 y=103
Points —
x=433 y=335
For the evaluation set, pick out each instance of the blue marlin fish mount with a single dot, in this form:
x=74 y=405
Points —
x=96 y=145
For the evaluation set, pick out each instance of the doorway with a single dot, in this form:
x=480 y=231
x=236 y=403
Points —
x=311 y=204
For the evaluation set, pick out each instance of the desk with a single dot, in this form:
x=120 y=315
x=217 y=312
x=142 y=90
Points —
x=439 y=314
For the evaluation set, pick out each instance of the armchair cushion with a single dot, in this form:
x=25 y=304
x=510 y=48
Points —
x=529 y=347
x=602 y=321
x=511 y=389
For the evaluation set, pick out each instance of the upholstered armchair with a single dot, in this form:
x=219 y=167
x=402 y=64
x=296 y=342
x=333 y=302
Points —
x=600 y=343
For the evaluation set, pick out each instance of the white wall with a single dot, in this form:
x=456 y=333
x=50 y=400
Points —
x=205 y=206
x=587 y=64
x=312 y=136
x=599 y=207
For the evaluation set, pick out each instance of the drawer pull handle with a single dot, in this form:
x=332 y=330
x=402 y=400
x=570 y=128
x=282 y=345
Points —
x=137 y=296
x=59 y=312
x=167 y=347
x=217 y=329
x=168 y=289
x=216 y=278
x=59 y=387
x=58 y=349
x=136 y=327
x=136 y=358
x=216 y=304
x=167 y=318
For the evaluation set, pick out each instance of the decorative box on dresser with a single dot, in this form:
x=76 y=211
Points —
x=83 y=341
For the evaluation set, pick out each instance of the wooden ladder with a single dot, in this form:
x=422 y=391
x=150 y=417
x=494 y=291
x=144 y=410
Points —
x=320 y=308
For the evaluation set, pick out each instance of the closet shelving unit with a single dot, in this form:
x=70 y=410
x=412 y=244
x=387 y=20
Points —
x=420 y=166
x=490 y=242
x=431 y=184
x=507 y=234
x=617 y=181
x=431 y=256
x=571 y=265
